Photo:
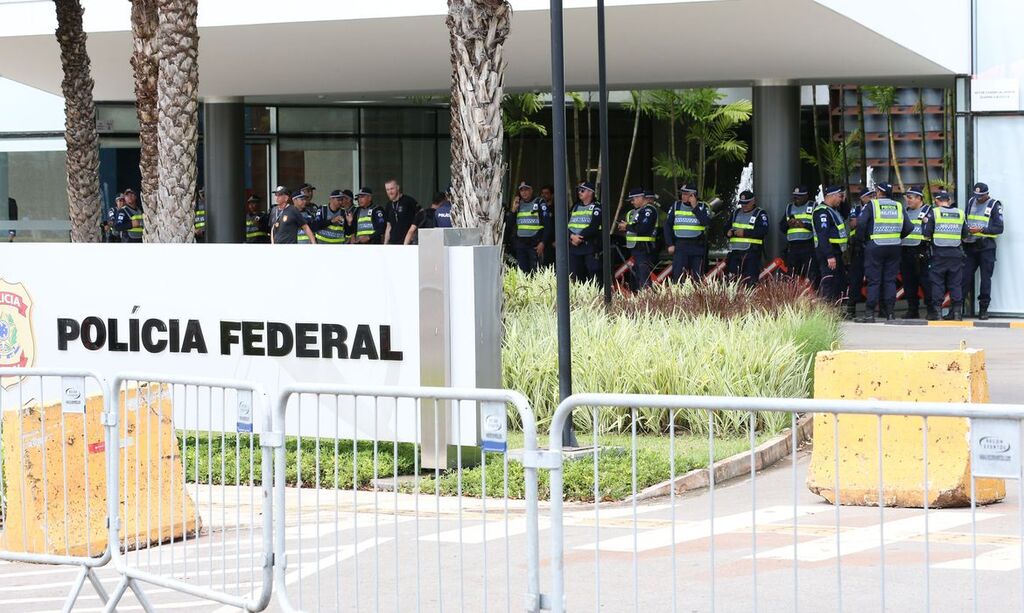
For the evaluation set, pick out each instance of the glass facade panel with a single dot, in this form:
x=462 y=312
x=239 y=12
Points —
x=389 y=121
x=257 y=119
x=327 y=163
x=33 y=192
x=1000 y=51
x=326 y=120
x=412 y=161
x=116 y=118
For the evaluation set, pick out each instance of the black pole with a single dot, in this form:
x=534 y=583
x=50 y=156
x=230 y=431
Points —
x=561 y=214
x=606 y=184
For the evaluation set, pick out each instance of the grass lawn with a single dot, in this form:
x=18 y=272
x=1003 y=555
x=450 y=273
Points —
x=336 y=466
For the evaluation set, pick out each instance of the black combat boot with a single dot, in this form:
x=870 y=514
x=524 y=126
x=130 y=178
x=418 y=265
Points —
x=983 y=313
x=932 y=315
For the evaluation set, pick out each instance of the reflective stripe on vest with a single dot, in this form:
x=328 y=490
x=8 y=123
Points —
x=200 y=223
x=252 y=229
x=332 y=234
x=582 y=216
x=364 y=222
x=978 y=216
x=529 y=223
x=744 y=221
x=804 y=215
x=917 y=234
x=888 y=222
x=307 y=219
x=632 y=238
x=684 y=223
x=949 y=227
x=133 y=231
x=842 y=237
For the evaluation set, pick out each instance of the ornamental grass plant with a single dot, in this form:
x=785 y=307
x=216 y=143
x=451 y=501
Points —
x=709 y=338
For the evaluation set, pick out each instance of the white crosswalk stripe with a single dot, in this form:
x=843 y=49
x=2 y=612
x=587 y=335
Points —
x=1002 y=559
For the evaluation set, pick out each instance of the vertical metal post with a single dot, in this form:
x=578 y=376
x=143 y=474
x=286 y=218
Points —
x=561 y=214
x=224 y=160
x=606 y=183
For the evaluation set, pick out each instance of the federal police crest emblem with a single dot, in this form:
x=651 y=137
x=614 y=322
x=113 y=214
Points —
x=17 y=341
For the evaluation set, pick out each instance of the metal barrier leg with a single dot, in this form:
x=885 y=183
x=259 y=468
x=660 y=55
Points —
x=140 y=594
x=97 y=585
x=76 y=589
x=115 y=598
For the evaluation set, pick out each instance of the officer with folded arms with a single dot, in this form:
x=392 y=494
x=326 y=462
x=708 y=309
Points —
x=369 y=220
x=330 y=223
x=585 y=235
x=985 y=223
x=946 y=228
x=797 y=228
x=882 y=225
x=641 y=230
x=746 y=240
x=534 y=225
x=914 y=254
x=830 y=242
x=685 y=234
x=129 y=221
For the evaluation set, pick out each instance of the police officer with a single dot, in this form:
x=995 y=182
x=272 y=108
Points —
x=830 y=242
x=110 y=235
x=881 y=226
x=199 y=226
x=282 y=199
x=369 y=220
x=129 y=220
x=914 y=254
x=312 y=208
x=641 y=229
x=585 y=235
x=533 y=223
x=946 y=227
x=685 y=234
x=746 y=235
x=292 y=222
x=984 y=223
x=330 y=225
x=856 y=254
x=255 y=222
x=799 y=233
x=443 y=212
x=301 y=202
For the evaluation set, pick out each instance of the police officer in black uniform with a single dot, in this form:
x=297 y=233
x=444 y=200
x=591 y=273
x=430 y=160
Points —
x=881 y=227
x=585 y=235
x=946 y=228
x=641 y=230
x=199 y=226
x=110 y=235
x=534 y=226
x=984 y=223
x=685 y=232
x=796 y=226
x=312 y=208
x=914 y=254
x=330 y=224
x=830 y=242
x=369 y=220
x=255 y=222
x=129 y=221
x=856 y=253
x=308 y=210
x=746 y=235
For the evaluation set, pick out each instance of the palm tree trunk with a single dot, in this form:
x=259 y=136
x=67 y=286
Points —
x=145 y=66
x=637 y=95
x=177 y=120
x=864 y=138
x=477 y=31
x=817 y=139
x=924 y=147
x=83 y=142
x=892 y=150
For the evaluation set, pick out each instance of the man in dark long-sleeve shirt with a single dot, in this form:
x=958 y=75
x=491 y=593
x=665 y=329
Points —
x=585 y=235
x=685 y=234
x=881 y=227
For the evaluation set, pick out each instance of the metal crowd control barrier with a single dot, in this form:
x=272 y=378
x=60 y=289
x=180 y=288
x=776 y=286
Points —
x=689 y=545
x=397 y=549
x=48 y=432
x=189 y=519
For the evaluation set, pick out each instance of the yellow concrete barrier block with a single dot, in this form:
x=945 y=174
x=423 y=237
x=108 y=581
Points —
x=55 y=477
x=939 y=376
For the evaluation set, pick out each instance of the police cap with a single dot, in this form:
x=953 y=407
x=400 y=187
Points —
x=336 y=194
x=688 y=188
x=914 y=191
x=980 y=189
x=281 y=190
x=524 y=185
x=585 y=186
x=364 y=191
x=942 y=195
x=746 y=196
x=298 y=195
x=307 y=186
x=833 y=189
x=636 y=191
x=884 y=188
x=252 y=198
x=800 y=190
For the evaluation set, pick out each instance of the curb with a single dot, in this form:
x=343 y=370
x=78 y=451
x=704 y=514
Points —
x=953 y=324
x=765 y=455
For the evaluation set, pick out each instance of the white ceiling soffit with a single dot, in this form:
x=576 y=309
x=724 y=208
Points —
x=650 y=44
x=939 y=30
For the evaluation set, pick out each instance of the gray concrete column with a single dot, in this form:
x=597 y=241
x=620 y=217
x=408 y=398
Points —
x=224 y=159
x=776 y=152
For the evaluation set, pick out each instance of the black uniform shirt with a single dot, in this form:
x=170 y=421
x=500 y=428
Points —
x=288 y=226
x=400 y=214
